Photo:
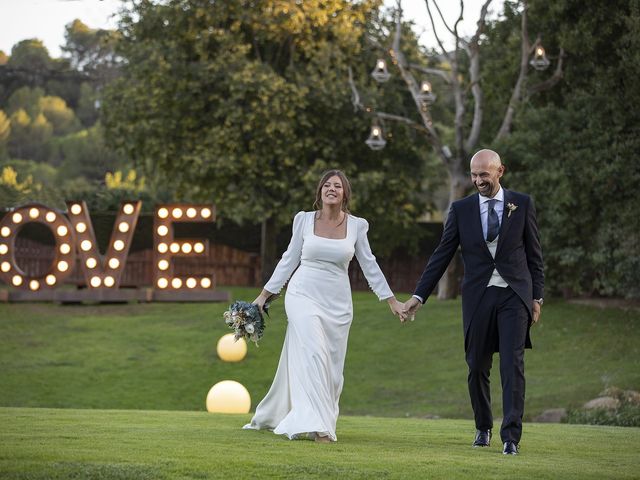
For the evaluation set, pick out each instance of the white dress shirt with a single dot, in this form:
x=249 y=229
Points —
x=496 y=280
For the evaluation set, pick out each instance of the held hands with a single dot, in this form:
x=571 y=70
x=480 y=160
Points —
x=411 y=306
x=397 y=308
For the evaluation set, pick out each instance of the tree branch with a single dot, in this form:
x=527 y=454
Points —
x=433 y=26
x=473 y=51
x=446 y=76
x=483 y=14
x=444 y=22
x=413 y=86
x=516 y=95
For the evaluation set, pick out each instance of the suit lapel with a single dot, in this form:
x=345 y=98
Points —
x=506 y=220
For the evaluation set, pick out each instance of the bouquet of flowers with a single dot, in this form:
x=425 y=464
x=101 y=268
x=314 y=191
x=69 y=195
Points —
x=246 y=319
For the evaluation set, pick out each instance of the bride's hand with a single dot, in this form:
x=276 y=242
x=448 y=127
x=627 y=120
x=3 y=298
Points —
x=262 y=299
x=397 y=308
x=259 y=301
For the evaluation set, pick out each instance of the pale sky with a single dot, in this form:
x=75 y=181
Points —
x=46 y=19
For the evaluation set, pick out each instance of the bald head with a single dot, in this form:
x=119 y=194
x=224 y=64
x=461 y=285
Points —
x=486 y=157
x=486 y=171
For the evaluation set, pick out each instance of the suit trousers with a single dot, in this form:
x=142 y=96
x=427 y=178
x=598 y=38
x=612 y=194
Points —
x=499 y=324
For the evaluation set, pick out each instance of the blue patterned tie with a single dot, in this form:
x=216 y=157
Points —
x=493 y=224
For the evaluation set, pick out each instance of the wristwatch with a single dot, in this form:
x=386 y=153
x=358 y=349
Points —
x=539 y=301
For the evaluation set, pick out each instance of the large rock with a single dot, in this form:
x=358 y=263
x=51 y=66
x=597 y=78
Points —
x=553 y=415
x=631 y=396
x=607 y=403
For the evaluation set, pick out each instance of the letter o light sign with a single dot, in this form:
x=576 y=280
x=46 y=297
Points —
x=65 y=252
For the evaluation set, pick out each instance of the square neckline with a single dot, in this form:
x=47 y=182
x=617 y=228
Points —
x=313 y=228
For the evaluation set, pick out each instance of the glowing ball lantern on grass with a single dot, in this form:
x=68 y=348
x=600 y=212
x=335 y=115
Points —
x=231 y=351
x=228 y=397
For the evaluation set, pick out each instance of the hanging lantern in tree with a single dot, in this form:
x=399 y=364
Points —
x=539 y=60
x=376 y=141
x=380 y=72
x=426 y=95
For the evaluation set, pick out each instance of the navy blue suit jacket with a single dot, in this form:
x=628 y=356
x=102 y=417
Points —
x=518 y=254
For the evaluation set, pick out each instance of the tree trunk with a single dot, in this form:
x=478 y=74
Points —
x=268 y=248
x=449 y=284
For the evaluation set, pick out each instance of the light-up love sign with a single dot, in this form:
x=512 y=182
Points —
x=75 y=239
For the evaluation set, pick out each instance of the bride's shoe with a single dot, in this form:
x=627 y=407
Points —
x=323 y=439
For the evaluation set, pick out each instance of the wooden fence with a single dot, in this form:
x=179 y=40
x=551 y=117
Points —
x=230 y=266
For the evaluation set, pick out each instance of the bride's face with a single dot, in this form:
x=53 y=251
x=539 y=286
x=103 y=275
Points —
x=332 y=192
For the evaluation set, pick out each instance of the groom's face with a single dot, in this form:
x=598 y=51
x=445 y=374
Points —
x=485 y=175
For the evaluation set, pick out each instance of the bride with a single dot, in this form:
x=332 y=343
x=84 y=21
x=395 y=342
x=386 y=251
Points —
x=303 y=399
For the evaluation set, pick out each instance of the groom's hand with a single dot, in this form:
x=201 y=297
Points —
x=411 y=306
x=537 y=308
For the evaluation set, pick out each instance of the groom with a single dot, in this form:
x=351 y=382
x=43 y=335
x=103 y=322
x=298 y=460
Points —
x=501 y=291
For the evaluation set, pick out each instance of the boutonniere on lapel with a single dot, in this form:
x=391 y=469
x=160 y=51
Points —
x=512 y=208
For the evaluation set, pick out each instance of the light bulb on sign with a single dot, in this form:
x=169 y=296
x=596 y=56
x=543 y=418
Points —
x=176 y=283
x=5 y=266
x=191 y=212
x=50 y=217
x=91 y=262
x=163 y=283
x=63 y=266
x=81 y=227
x=123 y=227
x=191 y=283
x=175 y=247
x=86 y=245
x=118 y=245
x=205 y=212
x=17 y=218
x=62 y=230
x=16 y=280
x=163 y=230
x=109 y=281
x=205 y=282
x=34 y=285
x=50 y=280
x=186 y=248
x=5 y=231
x=177 y=213
x=163 y=247
x=76 y=209
x=163 y=213
x=163 y=264
x=95 y=281
x=128 y=209
x=3 y=249
x=198 y=247
x=65 y=248
x=34 y=213
x=113 y=263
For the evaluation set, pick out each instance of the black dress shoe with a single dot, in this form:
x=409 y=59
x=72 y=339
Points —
x=510 y=448
x=483 y=438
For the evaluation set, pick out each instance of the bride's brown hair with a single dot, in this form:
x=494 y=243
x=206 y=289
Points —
x=346 y=189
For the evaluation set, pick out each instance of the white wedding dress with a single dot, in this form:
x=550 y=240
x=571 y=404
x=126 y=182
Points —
x=304 y=396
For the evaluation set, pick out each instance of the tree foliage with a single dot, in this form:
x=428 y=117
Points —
x=575 y=149
x=247 y=106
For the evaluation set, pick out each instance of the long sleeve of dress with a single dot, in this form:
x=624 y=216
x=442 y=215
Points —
x=290 y=259
x=368 y=263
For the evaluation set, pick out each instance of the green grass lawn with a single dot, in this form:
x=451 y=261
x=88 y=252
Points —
x=39 y=444
x=162 y=357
